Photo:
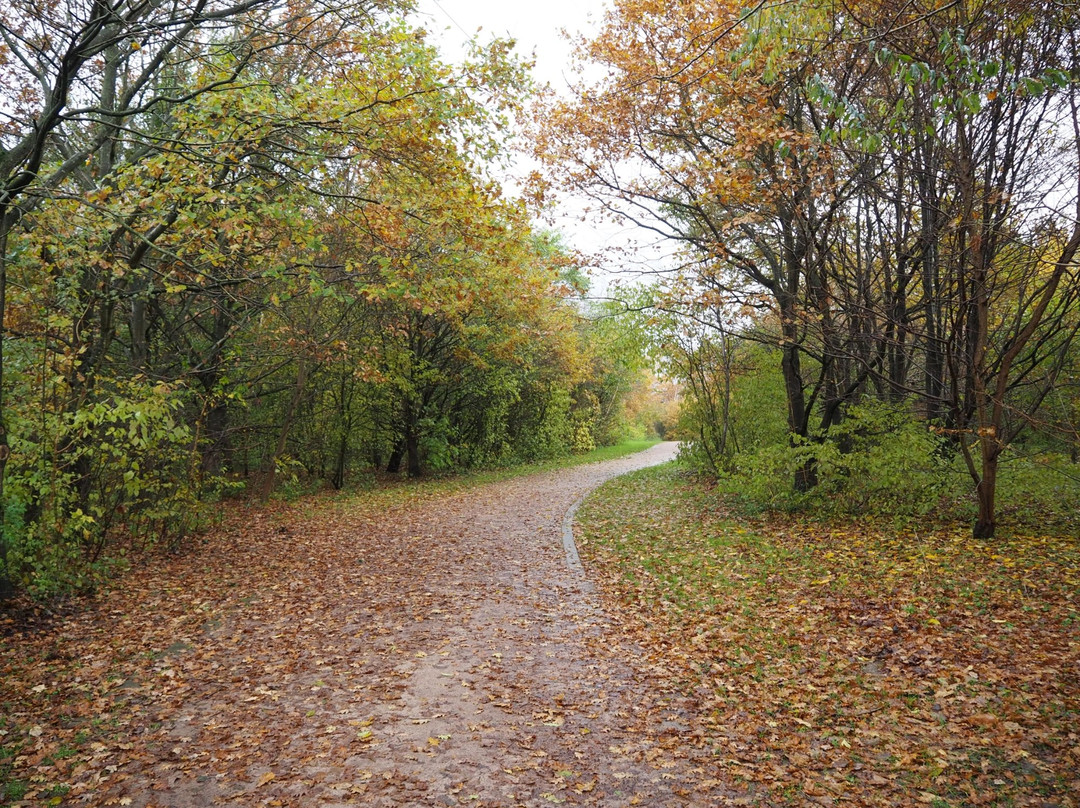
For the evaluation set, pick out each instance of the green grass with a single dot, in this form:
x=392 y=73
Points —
x=11 y=788
x=915 y=652
x=598 y=455
x=396 y=492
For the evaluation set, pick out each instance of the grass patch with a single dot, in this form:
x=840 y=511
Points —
x=856 y=661
x=11 y=787
x=399 y=491
x=597 y=455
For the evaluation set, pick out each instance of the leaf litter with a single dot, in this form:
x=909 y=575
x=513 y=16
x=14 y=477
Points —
x=412 y=649
x=850 y=664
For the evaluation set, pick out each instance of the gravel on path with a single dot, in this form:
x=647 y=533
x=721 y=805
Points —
x=440 y=653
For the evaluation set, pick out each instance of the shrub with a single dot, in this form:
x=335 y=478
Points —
x=878 y=460
x=123 y=466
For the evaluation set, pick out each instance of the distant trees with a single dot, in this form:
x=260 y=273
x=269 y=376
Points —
x=248 y=241
x=885 y=194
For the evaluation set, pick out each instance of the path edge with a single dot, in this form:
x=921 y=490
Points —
x=573 y=560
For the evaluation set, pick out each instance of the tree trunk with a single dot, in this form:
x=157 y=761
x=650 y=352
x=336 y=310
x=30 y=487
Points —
x=806 y=476
x=216 y=454
x=412 y=450
x=345 y=415
x=393 y=465
x=933 y=336
x=6 y=586
x=338 y=479
x=411 y=440
x=985 y=491
x=217 y=440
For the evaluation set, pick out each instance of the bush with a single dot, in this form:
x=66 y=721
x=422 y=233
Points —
x=879 y=460
x=81 y=480
x=1041 y=489
x=582 y=440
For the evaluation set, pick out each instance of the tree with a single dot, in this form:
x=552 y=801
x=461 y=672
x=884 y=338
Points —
x=83 y=86
x=708 y=132
x=885 y=190
x=992 y=109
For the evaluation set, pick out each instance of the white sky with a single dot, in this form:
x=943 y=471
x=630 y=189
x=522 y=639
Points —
x=536 y=25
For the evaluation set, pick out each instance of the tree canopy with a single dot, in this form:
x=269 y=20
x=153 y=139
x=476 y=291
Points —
x=883 y=194
x=248 y=243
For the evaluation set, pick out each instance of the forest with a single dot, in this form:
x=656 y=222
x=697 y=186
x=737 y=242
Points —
x=248 y=245
x=300 y=398
x=252 y=247
x=876 y=212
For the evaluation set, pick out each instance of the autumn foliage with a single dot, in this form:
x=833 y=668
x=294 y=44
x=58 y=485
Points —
x=259 y=247
x=883 y=194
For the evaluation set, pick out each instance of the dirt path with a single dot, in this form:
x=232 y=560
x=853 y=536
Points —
x=443 y=653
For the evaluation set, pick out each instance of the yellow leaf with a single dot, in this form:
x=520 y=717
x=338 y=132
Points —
x=266 y=778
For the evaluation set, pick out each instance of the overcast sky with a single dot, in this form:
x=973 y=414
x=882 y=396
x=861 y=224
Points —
x=536 y=26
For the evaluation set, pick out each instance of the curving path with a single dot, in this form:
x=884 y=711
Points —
x=443 y=653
